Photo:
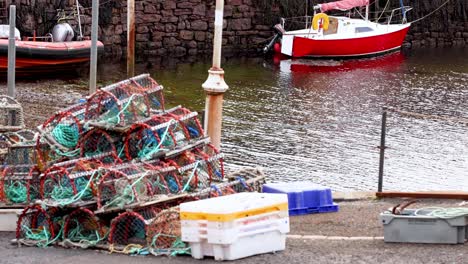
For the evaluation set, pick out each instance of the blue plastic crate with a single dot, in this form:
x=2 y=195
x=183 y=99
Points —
x=304 y=197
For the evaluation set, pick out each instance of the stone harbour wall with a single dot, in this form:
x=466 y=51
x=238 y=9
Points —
x=444 y=28
x=185 y=27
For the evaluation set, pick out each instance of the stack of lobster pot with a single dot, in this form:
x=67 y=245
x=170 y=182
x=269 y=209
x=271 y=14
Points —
x=110 y=172
x=17 y=156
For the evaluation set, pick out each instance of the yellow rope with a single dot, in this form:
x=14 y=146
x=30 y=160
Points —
x=128 y=249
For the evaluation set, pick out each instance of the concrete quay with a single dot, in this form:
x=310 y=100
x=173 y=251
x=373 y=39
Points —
x=351 y=235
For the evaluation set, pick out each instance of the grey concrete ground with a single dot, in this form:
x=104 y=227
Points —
x=355 y=219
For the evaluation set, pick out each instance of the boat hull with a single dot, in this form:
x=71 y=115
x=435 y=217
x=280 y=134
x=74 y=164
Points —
x=37 y=57
x=348 y=47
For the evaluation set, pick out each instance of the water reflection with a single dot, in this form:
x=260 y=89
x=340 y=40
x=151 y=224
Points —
x=320 y=120
x=389 y=62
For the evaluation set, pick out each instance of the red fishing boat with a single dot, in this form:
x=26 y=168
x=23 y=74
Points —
x=323 y=36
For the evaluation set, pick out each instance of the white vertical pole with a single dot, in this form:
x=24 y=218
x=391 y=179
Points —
x=218 y=33
x=94 y=36
x=215 y=86
x=12 y=52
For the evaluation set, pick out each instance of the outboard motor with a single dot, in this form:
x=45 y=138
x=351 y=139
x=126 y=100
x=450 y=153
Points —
x=279 y=32
x=63 y=32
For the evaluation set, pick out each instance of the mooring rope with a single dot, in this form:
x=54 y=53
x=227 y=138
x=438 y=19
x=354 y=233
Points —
x=437 y=9
x=441 y=212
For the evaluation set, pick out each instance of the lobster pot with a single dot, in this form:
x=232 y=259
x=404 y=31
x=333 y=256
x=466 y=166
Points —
x=164 y=233
x=189 y=128
x=235 y=226
x=201 y=173
x=180 y=124
x=118 y=104
x=60 y=134
x=19 y=147
x=143 y=141
x=114 y=188
x=82 y=228
x=37 y=226
x=61 y=186
x=21 y=154
x=11 y=114
x=123 y=105
x=128 y=228
x=123 y=89
x=162 y=132
x=20 y=184
x=68 y=186
x=98 y=141
x=164 y=180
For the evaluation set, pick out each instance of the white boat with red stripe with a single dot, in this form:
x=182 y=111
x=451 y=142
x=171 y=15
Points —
x=324 y=36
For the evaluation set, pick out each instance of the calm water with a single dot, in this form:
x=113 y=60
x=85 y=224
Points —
x=320 y=120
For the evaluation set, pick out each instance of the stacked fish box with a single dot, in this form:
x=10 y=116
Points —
x=235 y=226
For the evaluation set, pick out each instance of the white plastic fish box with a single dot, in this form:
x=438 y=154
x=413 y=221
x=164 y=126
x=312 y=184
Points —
x=409 y=227
x=235 y=226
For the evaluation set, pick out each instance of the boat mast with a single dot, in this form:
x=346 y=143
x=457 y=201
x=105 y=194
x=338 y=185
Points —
x=306 y=13
x=367 y=12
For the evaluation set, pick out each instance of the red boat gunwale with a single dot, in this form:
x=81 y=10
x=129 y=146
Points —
x=50 y=50
x=40 y=56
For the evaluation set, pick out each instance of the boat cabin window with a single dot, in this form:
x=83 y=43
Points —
x=332 y=27
x=363 y=29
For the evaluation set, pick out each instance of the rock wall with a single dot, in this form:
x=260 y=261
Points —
x=184 y=27
x=445 y=27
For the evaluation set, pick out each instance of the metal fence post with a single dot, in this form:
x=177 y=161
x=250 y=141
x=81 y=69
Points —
x=94 y=37
x=382 y=148
x=12 y=53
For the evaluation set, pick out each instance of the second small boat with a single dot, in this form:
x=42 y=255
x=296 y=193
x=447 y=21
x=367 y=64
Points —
x=42 y=56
